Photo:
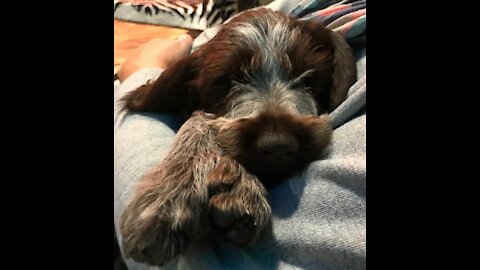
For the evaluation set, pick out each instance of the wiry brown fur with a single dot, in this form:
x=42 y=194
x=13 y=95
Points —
x=264 y=83
x=170 y=206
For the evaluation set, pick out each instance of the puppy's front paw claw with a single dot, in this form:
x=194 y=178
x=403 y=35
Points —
x=238 y=206
x=233 y=222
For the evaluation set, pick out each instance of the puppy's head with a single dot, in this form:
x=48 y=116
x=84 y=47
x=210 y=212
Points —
x=271 y=76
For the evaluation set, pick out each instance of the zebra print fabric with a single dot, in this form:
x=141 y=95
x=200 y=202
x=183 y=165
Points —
x=191 y=14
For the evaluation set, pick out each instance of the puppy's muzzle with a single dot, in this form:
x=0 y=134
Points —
x=276 y=144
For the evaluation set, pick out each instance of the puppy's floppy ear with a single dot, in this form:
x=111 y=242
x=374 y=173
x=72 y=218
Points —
x=172 y=92
x=344 y=70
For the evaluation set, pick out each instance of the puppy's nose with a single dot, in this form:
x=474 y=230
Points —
x=277 y=147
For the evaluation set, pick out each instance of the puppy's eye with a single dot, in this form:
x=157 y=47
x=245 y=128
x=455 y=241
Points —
x=218 y=187
x=298 y=84
x=302 y=84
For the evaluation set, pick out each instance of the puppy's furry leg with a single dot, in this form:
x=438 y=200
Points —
x=165 y=212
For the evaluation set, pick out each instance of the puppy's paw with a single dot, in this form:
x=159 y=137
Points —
x=160 y=222
x=238 y=206
x=154 y=242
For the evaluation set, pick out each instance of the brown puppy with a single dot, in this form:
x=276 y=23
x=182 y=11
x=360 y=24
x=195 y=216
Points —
x=259 y=87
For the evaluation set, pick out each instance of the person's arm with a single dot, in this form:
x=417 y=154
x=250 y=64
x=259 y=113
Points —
x=146 y=63
x=156 y=53
x=139 y=139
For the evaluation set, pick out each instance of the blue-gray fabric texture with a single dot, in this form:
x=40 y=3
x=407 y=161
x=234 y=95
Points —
x=319 y=216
